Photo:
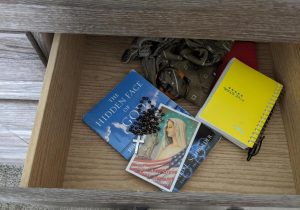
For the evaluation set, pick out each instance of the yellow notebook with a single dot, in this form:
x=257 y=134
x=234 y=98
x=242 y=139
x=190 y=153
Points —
x=240 y=103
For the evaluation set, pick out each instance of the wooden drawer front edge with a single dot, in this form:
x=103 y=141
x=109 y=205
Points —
x=286 y=58
x=244 y=20
x=95 y=198
x=45 y=162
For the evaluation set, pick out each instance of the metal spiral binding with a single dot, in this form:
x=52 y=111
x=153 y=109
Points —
x=265 y=117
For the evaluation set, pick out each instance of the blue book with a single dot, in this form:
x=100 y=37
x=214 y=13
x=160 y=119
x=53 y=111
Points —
x=204 y=141
x=113 y=115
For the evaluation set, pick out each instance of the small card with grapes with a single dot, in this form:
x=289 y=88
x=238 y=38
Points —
x=160 y=158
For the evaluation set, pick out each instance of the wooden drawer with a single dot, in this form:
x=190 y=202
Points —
x=65 y=153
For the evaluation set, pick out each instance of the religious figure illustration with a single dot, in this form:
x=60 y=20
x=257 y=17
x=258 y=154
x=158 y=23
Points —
x=174 y=139
x=161 y=157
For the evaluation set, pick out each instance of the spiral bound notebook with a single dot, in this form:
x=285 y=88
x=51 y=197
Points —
x=240 y=103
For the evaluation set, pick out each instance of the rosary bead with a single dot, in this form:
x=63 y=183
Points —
x=148 y=120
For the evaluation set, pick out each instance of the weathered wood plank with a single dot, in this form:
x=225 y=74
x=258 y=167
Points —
x=12 y=154
x=16 y=122
x=44 y=41
x=13 y=147
x=212 y=19
x=37 y=48
x=41 y=42
x=10 y=137
x=18 y=59
x=18 y=134
x=21 y=90
x=96 y=198
x=20 y=78
x=17 y=115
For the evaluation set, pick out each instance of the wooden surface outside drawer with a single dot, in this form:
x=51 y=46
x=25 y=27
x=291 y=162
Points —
x=64 y=153
x=263 y=20
x=174 y=201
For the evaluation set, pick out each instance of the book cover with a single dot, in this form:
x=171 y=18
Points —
x=204 y=141
x=240 y=103
x=160 y=159
x=113 y=115
x=244 y=51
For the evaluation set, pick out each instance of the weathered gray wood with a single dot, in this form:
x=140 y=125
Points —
x=261 y=20
x=13 y=155
x=17 y=115
x=44 y=41
x=96 y=198
x=20 y=78
x=18 y=59
x=8 y=135
x=13 y=147
x=16 y=122
x=23 y=90
x=41 y=42
x=37 y=48
x=228 y=208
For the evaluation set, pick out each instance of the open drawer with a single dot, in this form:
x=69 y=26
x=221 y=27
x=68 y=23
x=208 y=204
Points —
x=65 y=153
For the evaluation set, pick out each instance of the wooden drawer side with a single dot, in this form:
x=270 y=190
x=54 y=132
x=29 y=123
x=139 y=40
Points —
x=286 y=58
x=46 y=157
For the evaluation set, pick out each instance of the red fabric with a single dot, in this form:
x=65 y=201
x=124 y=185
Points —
x=244 y=51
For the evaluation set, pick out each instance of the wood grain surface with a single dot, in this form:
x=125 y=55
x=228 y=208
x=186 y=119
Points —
x=287 y=68
x=95 y=198
x=213 y=19
x=17 y=117
x=21 y=70
x=18 y=60
x=92 y=163
x=44 y=165
x=13 y=148
x=20 y=85
x=41 y=42
x=21 y=90
x=44 y=41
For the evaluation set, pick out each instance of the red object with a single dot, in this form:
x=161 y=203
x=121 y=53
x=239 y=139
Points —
x=244 y=51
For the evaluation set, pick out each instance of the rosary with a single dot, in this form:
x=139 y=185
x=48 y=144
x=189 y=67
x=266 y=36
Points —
x=147 y=122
